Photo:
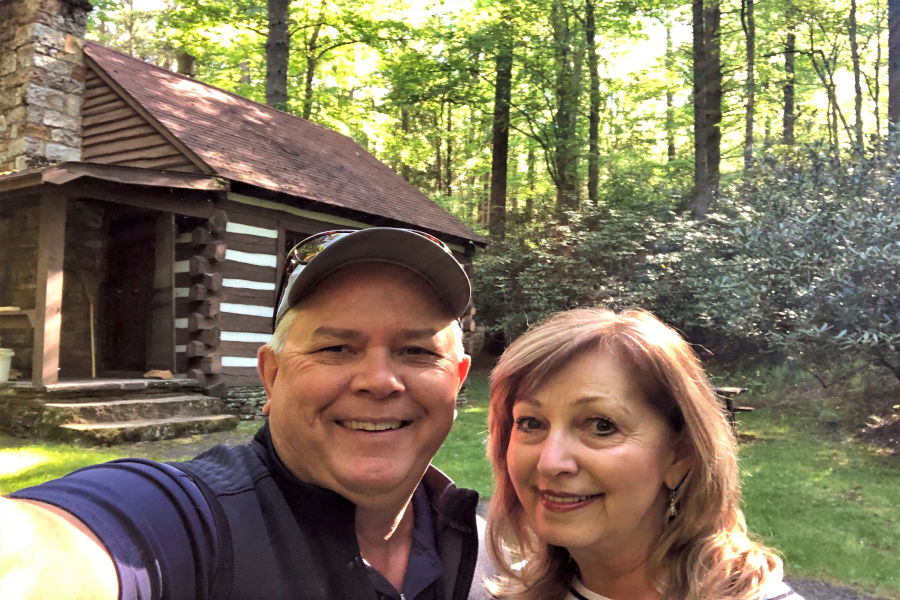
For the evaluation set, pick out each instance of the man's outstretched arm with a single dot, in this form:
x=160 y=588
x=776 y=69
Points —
x=46 y=552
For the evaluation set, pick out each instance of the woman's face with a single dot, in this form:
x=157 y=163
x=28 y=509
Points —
x=590 y=460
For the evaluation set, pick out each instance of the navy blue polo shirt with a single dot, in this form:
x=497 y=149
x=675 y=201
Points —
x=158 y=527
x=424 y=565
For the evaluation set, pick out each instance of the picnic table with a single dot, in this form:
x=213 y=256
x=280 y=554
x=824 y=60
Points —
x=728 y=394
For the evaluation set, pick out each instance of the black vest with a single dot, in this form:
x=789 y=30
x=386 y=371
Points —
x=281 y=538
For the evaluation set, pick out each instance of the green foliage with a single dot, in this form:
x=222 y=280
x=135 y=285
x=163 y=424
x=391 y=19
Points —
x=643 y=256
x=820 y=259
x=803 y=263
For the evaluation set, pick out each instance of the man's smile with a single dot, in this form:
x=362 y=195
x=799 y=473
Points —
x=373 y=425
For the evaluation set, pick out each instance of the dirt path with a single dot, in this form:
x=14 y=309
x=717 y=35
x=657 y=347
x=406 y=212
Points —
x=188 y=447
x=819 y=590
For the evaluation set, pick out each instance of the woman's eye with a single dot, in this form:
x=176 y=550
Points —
x=527 y=424
x=602 y=426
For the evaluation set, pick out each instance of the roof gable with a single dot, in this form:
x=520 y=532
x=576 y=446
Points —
x=116 y=132
x=255 y=144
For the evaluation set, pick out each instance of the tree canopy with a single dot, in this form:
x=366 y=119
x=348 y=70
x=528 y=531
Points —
x=728 y=164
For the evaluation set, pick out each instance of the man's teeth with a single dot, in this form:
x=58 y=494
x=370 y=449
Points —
x=370 y=426
x=566 y=499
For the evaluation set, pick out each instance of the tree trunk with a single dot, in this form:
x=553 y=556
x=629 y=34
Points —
x=857 y=83
x=790 y=115
x=531 y=160
x=405 y=170
x=312 y=62
x=875 y=87
x=707 y=105
x=670 y=98
x=825 y=68
x=438 y=156
x=500 y=142
x=590 y=31
x=565 y=151
x=448 y=180
x=748 y=22
x=277 y=54
x=893 y=66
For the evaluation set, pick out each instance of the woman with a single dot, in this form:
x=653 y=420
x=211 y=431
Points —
x=615 y=469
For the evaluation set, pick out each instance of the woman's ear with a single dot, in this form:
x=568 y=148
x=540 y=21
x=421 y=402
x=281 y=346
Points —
x=682 y=462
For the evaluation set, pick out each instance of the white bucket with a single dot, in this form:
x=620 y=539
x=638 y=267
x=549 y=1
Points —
x=5 y=358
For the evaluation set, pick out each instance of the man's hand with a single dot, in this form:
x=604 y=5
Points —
x=45 y=552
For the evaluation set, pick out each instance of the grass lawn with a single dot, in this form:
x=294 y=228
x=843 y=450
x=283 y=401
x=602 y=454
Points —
x=25 y=463
x=463 y=455
x=828 y=504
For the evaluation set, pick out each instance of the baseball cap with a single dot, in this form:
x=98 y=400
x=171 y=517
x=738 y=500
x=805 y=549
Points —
x=320 y=255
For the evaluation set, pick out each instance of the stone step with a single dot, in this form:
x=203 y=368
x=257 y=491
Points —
x=140 y=430
x=93 y=390
x=155 y=407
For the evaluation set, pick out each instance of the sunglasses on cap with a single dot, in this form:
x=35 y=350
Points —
x=306 y=250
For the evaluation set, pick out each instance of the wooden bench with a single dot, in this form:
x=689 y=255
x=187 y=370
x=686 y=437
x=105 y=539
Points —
x=728 y=394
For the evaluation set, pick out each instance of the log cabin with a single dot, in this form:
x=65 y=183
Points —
x=144 y=215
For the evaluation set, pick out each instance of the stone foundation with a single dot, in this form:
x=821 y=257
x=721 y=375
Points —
x=246 y=402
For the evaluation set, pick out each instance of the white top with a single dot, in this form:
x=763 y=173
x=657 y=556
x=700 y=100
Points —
x=582 y=593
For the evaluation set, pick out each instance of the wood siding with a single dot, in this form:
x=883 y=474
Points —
x=248 y=293
x=115 y=133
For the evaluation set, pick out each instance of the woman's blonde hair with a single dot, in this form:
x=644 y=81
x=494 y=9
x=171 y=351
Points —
x=704 y=553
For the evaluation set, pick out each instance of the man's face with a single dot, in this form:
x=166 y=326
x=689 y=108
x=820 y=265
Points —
x=364 y=391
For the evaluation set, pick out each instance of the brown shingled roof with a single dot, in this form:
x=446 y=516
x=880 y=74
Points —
x=258 y=145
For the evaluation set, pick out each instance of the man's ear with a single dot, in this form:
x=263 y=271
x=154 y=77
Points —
x=465 y=362
x=682 y=462
x=267 y=366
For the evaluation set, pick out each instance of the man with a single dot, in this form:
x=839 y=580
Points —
x=333 y=499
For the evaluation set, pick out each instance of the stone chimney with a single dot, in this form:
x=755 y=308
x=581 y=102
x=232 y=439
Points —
x=41 y=81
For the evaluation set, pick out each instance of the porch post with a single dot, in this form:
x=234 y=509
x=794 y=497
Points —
x=49 y=289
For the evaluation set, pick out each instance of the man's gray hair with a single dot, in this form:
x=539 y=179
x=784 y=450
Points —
x=276 y=342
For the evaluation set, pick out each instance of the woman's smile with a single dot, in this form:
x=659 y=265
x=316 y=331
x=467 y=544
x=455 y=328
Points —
x=563 y=502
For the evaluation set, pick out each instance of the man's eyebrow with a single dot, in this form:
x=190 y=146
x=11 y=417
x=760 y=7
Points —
x=335 y=332
x=341 y=333
x=414 y=334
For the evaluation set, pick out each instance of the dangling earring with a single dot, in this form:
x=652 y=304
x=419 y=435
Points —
x=672 y=510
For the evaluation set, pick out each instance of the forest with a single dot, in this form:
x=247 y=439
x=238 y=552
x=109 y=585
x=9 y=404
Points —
x=730 y=165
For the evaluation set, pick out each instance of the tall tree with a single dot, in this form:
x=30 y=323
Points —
x=893 y=67
x=566 y=90
x=707 y=104
x=748 y=23
x=590 y=33
x=789 y=112
x=277 y=48
x=825 y=60
x=670 y=97
x=500 y=138
x=857 y=79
